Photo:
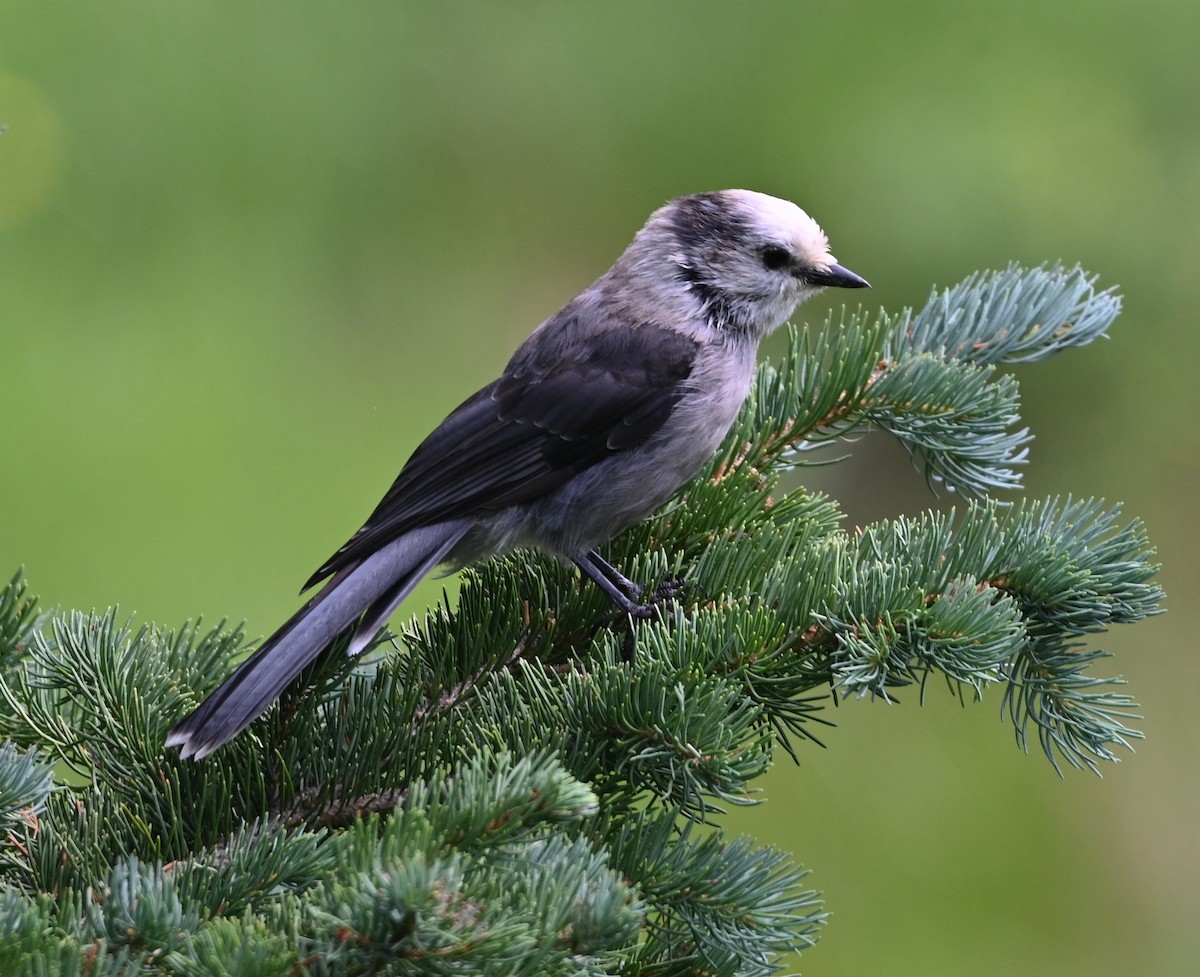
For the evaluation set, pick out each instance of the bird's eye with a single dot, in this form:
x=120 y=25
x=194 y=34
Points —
x=774 y=258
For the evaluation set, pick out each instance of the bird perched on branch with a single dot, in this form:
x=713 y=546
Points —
x=603 y=412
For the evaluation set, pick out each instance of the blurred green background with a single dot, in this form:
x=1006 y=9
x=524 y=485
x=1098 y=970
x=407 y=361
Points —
x=252 y=252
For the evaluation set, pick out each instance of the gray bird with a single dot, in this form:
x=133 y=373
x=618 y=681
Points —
x=604 y=411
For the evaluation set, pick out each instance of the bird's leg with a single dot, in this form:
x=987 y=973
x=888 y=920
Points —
x=664 y=592
x=621 y=590
x=610 y=573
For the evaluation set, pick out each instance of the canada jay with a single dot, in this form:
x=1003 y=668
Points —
x=605 y=410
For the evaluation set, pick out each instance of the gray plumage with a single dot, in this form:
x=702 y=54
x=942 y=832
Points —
x=602 y=413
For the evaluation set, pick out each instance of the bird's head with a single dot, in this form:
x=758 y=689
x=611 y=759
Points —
x=748 y=257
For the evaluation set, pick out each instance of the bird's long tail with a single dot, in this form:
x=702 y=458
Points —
x=369 y=590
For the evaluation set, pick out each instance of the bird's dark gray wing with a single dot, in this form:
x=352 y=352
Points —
x=530 y=431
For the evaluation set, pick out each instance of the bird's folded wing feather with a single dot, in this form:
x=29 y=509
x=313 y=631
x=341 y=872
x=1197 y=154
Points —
x=530 y=431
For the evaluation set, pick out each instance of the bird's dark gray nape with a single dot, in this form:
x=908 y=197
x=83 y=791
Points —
x=702 y=218
x=700 y=222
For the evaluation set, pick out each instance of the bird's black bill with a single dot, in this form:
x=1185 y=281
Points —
x=835 y=276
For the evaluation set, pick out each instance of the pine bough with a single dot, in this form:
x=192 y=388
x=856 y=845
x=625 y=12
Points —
x=502 y=791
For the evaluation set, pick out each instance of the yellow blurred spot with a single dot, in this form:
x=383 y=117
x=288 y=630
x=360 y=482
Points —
x=31 y=149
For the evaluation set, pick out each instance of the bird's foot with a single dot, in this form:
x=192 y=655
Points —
x=664 y=593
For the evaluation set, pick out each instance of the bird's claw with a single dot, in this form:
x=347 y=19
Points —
x=664 y=593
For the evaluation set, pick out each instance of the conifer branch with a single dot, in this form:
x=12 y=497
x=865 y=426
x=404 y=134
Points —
x=516 y=784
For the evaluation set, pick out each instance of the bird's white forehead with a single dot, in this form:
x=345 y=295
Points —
x=783 y=221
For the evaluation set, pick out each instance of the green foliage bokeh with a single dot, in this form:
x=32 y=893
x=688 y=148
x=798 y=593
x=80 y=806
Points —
x=252 y=253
